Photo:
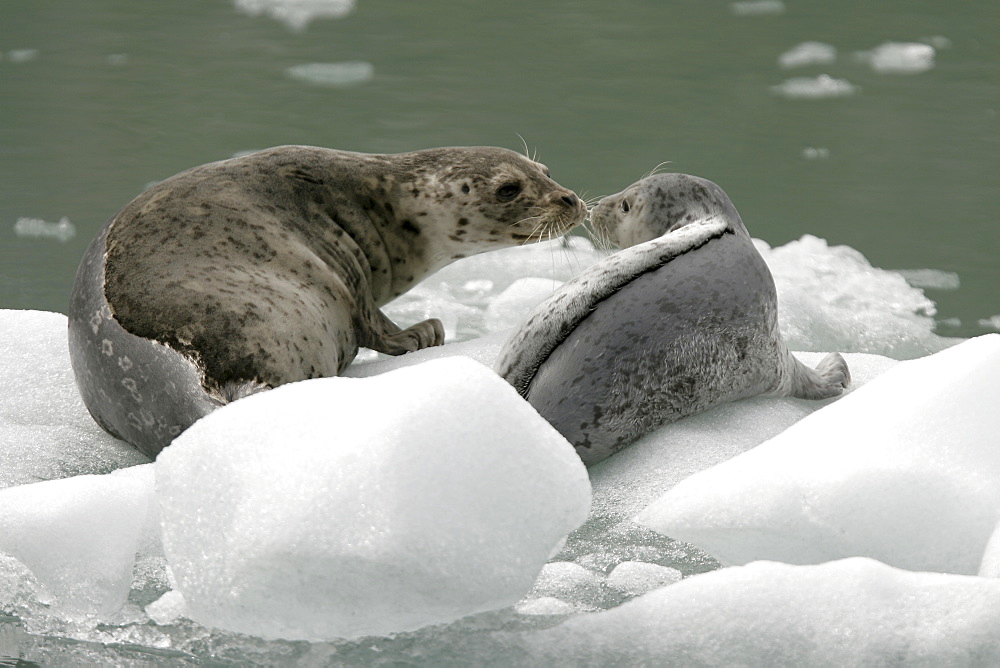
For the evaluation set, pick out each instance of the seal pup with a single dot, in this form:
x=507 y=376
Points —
x=245 y=274
x=681 y=320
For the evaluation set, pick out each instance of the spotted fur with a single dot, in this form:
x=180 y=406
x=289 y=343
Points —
x=683 y=319
x=270 y=268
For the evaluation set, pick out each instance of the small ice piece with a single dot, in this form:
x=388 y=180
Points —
x=811 y=153
x=815 y=88
x=36 y=228
x=344 y=507
x=634 y=578
x=931 y=278
x=78 y=536
x=991 y=322
x=808 y=53
x=757 y=7
x=117 y=59
x=570 y=582
x=22 y=55
x=900 y=58
x=937 y=41
x=335 y=75
x=297 y=14
x=168 y=608
x=850 y=612
x=904 y=470
x=513 y=305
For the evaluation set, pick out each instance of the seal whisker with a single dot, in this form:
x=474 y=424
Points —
x=655 y=170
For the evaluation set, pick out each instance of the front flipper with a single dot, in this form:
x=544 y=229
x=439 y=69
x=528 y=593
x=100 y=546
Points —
x=386 y=337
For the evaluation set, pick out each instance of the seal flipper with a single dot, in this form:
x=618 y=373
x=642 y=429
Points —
x=385 y=336
x=829 y=379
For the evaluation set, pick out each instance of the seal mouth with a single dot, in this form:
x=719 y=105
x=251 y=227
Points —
x=551 y=224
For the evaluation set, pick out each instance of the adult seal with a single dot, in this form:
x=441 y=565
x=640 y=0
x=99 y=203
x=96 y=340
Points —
x=681 y=320
x=245 y=274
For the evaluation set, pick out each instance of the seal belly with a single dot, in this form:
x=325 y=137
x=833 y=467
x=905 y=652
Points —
x=138 y=390
x=691 y=334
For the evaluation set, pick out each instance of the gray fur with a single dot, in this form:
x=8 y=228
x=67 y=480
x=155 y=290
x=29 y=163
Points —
x=245 y=274
x=682 y=320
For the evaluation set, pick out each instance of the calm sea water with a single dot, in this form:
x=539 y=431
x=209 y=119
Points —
x=100 y=98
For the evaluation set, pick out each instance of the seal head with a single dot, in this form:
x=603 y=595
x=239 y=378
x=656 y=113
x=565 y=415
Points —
x=683 y=319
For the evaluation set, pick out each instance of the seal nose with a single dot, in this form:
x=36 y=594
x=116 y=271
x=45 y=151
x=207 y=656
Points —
x=569 y=199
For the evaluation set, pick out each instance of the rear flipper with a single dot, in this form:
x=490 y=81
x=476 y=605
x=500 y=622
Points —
x=386 y=337
x=829 y=379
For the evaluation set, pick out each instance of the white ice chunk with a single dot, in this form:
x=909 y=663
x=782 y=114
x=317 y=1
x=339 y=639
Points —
x=336 y=75
x=512 y=306
x=297 y=14
x=905 y=470
x=900 y=58
x=78 y=536
x=832 y=298
x=757 y=7
x=992 y=322
x=815 y=153
x=931 y=278
x=22 y=55
x=851 y=612
x=808 y=53
x=45 y=431
x=343 y=507
x=168 y=608
x=634 y=578
x=36 y=228
x=815 y=88
x=569 y=582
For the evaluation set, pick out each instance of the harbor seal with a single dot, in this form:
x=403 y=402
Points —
x=245 y=274
x=681 y=320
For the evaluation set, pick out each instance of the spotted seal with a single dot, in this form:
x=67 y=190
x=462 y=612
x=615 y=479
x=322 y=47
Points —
x=681 y=320
x=245 y=274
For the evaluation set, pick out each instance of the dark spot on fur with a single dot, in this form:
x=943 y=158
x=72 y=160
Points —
x=462 y=222
x=410 y=227
x=465 y=188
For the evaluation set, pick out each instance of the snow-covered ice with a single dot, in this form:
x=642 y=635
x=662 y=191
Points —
x=906 y=470
x=373 y=505
x=849 y=612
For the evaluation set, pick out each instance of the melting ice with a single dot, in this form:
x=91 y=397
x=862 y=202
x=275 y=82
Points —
x=420 y=502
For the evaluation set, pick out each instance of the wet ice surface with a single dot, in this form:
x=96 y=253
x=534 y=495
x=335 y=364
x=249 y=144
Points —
x=268 y=521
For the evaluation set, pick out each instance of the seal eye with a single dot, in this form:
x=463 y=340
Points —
x=508 y=191
x=625 y=206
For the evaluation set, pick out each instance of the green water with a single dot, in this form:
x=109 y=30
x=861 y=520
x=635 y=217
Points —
x=120 y=93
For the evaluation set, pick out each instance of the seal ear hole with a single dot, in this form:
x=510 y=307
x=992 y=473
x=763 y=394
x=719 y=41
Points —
x=508 y=191
x=625 y=206
x=465 y=188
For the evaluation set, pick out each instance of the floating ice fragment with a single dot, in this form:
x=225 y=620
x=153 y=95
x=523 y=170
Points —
x=36 y=228
x=757 y=7
x=905 y=469
x=810 y=153
x=816 y=88
x=117 y=59
x=569 y=582
x=849 y=612
x=342 y=507
x=336 y=75
x=900 y=58
x=808 y=53
x=634 y=578
x=546 y=605
x=22 y=55
x=297 y=14
x=992 y=322
x=931 y=278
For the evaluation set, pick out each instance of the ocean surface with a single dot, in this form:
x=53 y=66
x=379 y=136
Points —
x=892 y=152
